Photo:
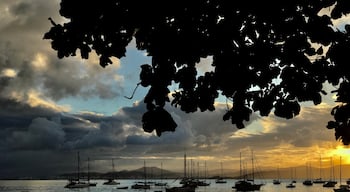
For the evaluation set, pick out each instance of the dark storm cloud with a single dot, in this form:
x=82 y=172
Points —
x=41 y=134
x=29 y=130
x=122 y=134
x=109 y=132
x=38 y=128
x=90 y=130
x=15 y=114
x=24 y=127
x=142 y=140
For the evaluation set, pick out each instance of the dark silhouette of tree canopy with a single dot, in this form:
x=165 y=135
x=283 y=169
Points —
x=251 y=42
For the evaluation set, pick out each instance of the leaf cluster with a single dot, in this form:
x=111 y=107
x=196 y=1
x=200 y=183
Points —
x=284 y=50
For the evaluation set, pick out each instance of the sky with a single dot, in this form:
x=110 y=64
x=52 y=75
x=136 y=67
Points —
x=51 y=108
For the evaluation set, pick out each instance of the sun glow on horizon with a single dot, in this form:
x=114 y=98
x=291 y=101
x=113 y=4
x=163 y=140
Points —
x=343 y=152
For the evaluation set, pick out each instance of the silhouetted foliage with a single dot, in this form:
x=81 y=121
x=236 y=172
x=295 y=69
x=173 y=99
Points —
x=251 y=42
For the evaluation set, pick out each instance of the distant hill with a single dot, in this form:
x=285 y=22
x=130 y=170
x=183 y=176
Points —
x=299 y=172
x=151 y=172
x=266 y=173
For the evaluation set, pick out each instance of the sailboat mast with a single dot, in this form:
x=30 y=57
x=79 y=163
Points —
x=307 y=170
x=330 y=169
x=333 y=175
x=240 y=165
x=198 y=169
x=340 y=171
x=88 y=173
x=78 y=166
x=205 y=170
x=185 y=164
x=253 y=167
x=221 y=168
x=113 y=169
x=191 y=170
x=320 y=167
x=161 y=171
x=144 y=170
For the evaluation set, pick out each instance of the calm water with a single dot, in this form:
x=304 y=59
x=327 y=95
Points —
x=58 y=186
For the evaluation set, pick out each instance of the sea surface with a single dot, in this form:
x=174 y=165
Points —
x=58 y=186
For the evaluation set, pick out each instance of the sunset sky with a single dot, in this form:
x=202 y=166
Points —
x=51 y=108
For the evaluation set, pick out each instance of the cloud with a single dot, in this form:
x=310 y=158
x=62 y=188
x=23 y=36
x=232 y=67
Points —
x=28 y=63
x=307 y=129
x=204 y=132
x=121 y=130
x=199 y=134
x=9 y=73
x=107 y=132
x=41 y=134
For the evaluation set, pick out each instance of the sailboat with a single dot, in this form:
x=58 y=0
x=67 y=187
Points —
x=203 y=182
x=112 y=181
x=245 y=184
x=277 y=181
x=221 y=179
x=319 y=180
x=88 y=175
x=188 y=180
x=144 y=184
x=331 y=182
x=187 y=184
x=342 y=188
x=77 y=183
x=292 y=183
x=308 y=181
x=161 y=183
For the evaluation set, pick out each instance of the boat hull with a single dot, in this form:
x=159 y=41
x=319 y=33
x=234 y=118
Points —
x=180 y=189
x=138 y=186
x=73 y=185
x=246 y=186
x=111 y=182
x=125 y=187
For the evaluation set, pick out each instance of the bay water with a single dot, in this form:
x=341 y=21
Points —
x=58 y=186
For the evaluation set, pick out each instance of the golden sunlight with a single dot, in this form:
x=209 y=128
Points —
x=8 y=73
x=40 y=62
x=342 y=151
x=34 y=100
